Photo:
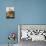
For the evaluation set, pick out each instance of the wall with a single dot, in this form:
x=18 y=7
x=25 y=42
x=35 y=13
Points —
x=27 y=12
x=31 y=11
x=7 y=25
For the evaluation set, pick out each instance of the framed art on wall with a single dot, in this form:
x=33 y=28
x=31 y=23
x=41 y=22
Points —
x=10 y=13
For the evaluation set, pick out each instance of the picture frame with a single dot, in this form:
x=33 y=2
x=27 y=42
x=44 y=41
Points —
x=10 y=13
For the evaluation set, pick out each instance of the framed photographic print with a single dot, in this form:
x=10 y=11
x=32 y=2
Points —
x=10 y=13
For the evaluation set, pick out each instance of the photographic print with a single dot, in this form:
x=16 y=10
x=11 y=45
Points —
x=10 y=13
